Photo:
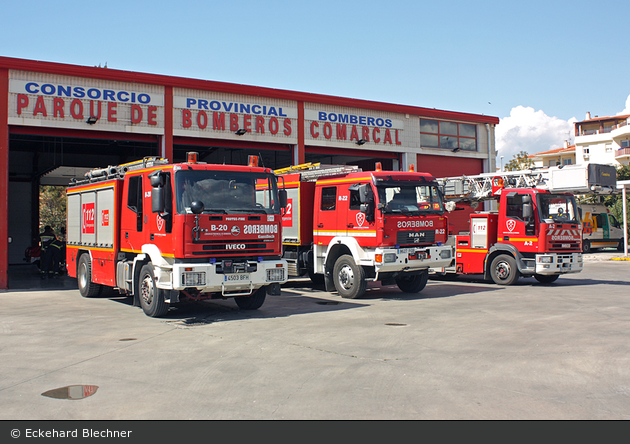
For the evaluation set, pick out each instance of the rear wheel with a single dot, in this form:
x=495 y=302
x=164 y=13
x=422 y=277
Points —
x=151 y=298
x=503 y=270
x=87 y=288
x=349 y=278
x=413 y=284
x=253 y=301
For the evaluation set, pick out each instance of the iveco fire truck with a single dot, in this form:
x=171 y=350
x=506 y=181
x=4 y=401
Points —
x=345 y=226
x=165 y=232
x=535 y=231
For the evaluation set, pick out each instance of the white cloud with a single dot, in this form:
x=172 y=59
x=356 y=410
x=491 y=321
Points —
x=532 y=131
x=627 y=109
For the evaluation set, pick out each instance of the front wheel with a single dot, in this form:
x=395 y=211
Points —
x=413 y=284
x=503 y=270
x=546 y=279
x=349 y=278
x=253 y=301
x=151 y=298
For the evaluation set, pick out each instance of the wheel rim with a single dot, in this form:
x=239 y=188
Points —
x=82 y=276
x=346 y=277
x=146 y=290
x=503 y=270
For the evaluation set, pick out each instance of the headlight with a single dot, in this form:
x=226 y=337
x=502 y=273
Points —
x=193 y=279
x=445 y=254
x=275 y=274
x=545 y=259
x=389 y=257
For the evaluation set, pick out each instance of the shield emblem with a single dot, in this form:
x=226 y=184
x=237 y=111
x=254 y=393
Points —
x=360 y=219
x=511 y=224
x=160 y=223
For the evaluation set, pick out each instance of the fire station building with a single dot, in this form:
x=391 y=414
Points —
x=57 y=121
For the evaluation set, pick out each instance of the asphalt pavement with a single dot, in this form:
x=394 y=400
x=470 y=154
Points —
x=460 y=349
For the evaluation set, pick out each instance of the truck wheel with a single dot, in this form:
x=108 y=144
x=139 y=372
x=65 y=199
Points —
x=546 y=279
x=253 y=301
x=349 y=278
x=151 y=298
x=503 y=270
x=586 y=246
x=87 y=288
x=413 y=284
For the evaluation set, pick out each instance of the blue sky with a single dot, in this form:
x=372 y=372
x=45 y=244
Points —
x=537 y=65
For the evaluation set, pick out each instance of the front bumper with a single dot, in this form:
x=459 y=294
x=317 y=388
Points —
x=239 y=279
x=558 y=263
x=391 y=260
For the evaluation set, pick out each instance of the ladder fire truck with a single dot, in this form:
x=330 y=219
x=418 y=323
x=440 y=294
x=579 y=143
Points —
x=344 y=226
x=536 y=229
x=164 y=232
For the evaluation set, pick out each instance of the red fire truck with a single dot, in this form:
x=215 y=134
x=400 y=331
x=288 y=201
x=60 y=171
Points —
x=535 y=231
x=344 y=226
x=165 y=232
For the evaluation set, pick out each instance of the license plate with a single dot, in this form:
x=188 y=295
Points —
x=421 y=255
x=240 y=277
x=566 y=245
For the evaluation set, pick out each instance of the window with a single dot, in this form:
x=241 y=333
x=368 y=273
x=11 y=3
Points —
x=134 y=199
x=355 y=200
x=329 y=198
x=450 y=135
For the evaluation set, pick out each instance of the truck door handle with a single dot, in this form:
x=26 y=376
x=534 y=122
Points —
x=350 y=226
x=320 y=225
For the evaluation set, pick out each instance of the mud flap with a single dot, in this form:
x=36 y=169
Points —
x=274 y=289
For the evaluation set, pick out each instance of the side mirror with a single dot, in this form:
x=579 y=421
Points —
x=157 y=199
x=196 y=207
x=365 y=193
x=282 y=197
x=157 y=180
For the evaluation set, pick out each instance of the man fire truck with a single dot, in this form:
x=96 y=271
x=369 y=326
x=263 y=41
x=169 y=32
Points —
x=536 y=230
x=345 y=226
x=164 y=232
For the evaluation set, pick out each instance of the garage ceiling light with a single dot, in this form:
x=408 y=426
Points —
x=241 y=131
x=361 y=141
x=91 y=120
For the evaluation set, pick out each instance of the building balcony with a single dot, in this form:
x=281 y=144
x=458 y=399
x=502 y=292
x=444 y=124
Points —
x=622 y=154
x=621 y=131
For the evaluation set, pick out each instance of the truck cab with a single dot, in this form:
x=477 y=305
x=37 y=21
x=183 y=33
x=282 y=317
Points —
x=348 y=227
x=533 y=233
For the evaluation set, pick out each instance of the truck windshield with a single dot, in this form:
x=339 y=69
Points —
x=226 y=192
x=554 y=208
x=410 y=199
